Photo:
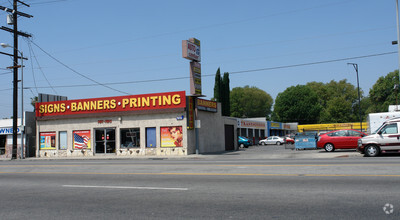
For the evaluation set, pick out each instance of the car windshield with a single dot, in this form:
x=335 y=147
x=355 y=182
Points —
x=376 y=131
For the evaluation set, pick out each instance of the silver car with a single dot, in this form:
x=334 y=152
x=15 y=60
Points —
x=272 y=140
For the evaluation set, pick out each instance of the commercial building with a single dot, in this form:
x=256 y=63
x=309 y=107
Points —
x=26 y=129
x=259 y=128
x=137 y=125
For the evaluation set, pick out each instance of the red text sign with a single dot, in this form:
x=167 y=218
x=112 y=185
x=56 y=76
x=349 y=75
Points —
x=113 y=104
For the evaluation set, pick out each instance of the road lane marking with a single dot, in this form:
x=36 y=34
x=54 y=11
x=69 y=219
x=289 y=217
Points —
x=213 y=174
x=125 y=187
x=216 y=165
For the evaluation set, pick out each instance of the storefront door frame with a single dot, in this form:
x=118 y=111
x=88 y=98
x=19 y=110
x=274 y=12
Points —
x=105 y=140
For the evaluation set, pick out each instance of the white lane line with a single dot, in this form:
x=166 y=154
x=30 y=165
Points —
x=125 y=187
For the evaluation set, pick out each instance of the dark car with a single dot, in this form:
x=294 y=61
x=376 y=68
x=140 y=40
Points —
x=340 y=139
x=244 y=142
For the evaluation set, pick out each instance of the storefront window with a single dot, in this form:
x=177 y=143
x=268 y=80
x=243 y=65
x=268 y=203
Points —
x=62 y=140
x=48 y=141
x=130 y=137
x=2 y=144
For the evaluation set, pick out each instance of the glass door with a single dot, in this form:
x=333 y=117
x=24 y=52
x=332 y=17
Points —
x=105 y=140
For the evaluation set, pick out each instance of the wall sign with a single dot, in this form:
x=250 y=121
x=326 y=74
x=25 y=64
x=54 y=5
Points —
x=171 y=136
x=207 y=105
x=81 y=140
x=8 y=131
x=112 y=104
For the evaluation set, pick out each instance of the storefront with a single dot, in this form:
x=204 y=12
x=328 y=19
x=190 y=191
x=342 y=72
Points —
x=259 y=128
x=27 y=130
x=254 y=129
x=149 y=124
x=282 y=129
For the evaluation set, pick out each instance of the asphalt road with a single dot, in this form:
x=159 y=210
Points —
x=235 y=185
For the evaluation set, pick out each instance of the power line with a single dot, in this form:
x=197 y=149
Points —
x=313 y=63
x=234 y=72
x=80 y=74
x=33 y=71
x=5 y=73
x=40 y=68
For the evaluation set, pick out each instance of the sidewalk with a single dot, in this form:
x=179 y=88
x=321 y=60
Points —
x=251 y=153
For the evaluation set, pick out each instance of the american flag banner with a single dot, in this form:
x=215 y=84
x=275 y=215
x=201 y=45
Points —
x=80 y=142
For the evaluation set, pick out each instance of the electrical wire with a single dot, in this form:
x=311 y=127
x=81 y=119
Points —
x=233 y=72
x=5 y=73
x=80 y=74
x=41 y=70
x=33 y=71
x=313 y=63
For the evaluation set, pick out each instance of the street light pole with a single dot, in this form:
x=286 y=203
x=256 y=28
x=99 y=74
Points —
x=398 y=43
x=359 y=97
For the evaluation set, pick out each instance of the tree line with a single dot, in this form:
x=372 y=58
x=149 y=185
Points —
x=312 y=103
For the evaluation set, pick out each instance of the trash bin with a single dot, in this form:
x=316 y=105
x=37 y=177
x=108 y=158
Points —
x=306 y=140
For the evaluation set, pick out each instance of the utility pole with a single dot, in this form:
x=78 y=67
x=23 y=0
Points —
x=16 y=33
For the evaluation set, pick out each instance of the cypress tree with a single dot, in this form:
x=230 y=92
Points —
x=226 y=110
x=217 y=86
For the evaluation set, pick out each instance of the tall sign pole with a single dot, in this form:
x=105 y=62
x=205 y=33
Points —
x=191 y=51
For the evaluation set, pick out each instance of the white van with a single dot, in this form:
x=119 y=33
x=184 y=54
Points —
x=386 y=139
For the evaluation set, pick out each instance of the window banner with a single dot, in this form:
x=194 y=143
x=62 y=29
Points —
x=81 y=140
x=171 y=136
x=47 y=140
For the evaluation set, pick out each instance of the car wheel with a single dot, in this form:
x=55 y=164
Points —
x=278 y=143
x=241 y=146
x=262 y=143
x=371 y=151
x=329 y=147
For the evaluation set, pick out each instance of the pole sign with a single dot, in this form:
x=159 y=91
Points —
x=191 y=49
x=195 y=78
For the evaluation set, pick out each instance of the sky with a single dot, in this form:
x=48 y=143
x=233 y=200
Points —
x=88 y=49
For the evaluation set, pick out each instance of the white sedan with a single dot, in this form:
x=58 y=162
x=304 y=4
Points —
x=272 y=140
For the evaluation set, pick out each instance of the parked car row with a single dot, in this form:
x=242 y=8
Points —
x=340 y=139
x=386 y=139
x=276 y=140
x=245 y=142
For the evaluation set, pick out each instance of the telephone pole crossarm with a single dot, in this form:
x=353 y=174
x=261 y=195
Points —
x=12 y=31
x=13 y=11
